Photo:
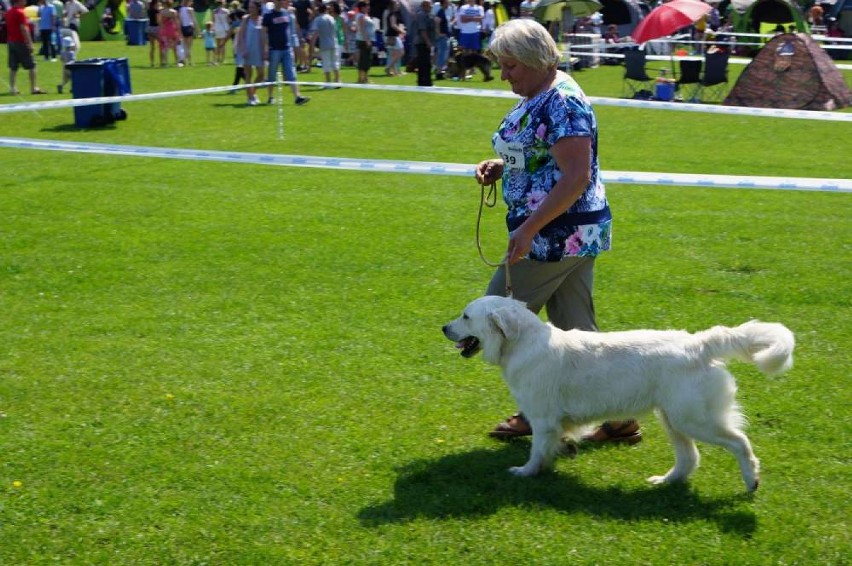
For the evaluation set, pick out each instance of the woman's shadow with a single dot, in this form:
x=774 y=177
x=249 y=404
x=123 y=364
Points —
x=477 y=483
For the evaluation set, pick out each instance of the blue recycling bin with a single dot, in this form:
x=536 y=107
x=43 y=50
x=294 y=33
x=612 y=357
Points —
x=94 y=78
x=136 y=31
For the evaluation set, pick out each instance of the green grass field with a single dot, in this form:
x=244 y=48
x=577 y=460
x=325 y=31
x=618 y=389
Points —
x=213 y=363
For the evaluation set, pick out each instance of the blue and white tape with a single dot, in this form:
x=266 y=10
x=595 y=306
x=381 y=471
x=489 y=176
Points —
x=453 y=91
x=424 y=167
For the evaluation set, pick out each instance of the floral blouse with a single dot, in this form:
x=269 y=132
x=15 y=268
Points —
x=523 y=141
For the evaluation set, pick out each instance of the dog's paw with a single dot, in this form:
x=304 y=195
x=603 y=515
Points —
x=522 y=471
x=658 y=480
x=753 y=487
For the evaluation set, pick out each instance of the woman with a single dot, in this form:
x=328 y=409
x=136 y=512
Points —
x=394 y=34
x=221 y=30
x=186 y=14
x=169 y=34
x=252 y=48
x=365 y=32
x=154 y=30
x=558 y=216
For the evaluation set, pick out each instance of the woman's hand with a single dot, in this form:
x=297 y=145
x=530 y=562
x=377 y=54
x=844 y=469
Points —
x=520 y=242
x=489 y=171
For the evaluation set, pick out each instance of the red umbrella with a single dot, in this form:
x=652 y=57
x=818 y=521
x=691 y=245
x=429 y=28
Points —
x=667 y=18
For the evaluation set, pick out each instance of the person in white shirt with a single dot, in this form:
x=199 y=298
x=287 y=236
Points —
x=527 y=7
x=186 y=13
x=488 y=24
x=470 y=18
x=74 y=9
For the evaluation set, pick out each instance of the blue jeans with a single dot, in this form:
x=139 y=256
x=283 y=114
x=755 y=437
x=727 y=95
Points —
x=442 y=52
x=284 y=59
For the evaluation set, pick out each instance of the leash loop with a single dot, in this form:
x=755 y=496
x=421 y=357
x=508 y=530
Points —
x=490 y=200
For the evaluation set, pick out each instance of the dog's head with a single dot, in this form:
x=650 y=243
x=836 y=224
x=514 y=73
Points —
x=486 y=324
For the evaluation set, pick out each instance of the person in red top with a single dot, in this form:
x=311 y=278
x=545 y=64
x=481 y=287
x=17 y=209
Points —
x=20 y=44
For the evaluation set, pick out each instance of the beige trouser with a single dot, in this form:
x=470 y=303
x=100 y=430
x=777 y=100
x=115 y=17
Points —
x=563 y=287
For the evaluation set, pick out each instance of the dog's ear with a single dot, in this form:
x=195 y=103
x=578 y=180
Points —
x=505 y=322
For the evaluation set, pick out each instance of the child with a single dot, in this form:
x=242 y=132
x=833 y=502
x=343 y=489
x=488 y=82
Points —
x=209 y=43
x=68 y=55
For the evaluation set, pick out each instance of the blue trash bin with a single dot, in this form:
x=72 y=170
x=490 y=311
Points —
x=136 y=31
x=94 y=78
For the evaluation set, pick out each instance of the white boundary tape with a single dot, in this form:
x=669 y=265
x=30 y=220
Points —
x=460 y=91
x=426 y=167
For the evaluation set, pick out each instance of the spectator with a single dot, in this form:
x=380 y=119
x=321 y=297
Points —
x=251 y=44
x=46 y=25
x=527 y=7
x=365 y=33
x=209 y=43
x=279 y=34
x=74 y=10
x=304 y=51
x=470 y=19
x=325 y=36
x=339 y=30
x=424 y=39
x=186 y=13
x=221 y=30
x=67 y=55
x=20 y=46
x=488 y=23
x=611 y=40
x=442 y=39
x=169 y=34
x=154 y=30
x=394 y=34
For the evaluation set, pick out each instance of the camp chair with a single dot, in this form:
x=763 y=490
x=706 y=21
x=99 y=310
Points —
x=635 y=77
x=715 y=74
x=690 y=79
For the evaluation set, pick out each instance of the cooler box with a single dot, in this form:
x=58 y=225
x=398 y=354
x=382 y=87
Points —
x=665 y=90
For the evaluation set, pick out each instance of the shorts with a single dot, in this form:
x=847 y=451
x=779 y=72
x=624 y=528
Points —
x=154 y=32
x=187 y=31
x=284 y=59
x=222 y=33
x=470 y=41
x=330 y=60
x=20 y=56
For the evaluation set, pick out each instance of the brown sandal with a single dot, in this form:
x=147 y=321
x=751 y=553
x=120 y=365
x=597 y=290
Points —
x=617 y=432
x=515 y=426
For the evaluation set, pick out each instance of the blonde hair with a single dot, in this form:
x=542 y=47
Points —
x=527 y=41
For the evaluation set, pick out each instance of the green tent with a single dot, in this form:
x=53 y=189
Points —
x=748 y=16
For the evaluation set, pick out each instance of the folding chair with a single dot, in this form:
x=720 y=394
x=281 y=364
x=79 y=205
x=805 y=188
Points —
x=635 y=77
x=690 y=79
x=715 y=74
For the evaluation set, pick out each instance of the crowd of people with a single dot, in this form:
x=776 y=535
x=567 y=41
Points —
x=436 y=39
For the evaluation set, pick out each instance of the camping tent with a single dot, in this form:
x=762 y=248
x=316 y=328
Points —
x=626 y=14
x=747 y=15
x=791 y=71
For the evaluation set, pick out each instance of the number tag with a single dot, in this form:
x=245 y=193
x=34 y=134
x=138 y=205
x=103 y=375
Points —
x=512 y=155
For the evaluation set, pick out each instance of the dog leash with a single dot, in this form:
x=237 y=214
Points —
x=490 y=201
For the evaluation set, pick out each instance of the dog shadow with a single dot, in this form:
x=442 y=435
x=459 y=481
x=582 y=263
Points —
x=477 y=483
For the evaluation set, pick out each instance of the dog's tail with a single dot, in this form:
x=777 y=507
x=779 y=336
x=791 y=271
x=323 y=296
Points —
x=768 y=345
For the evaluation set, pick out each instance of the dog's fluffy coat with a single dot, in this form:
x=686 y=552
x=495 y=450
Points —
x=563 y=381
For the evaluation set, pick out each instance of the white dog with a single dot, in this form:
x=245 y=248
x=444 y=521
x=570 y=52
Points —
x=563 y=381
